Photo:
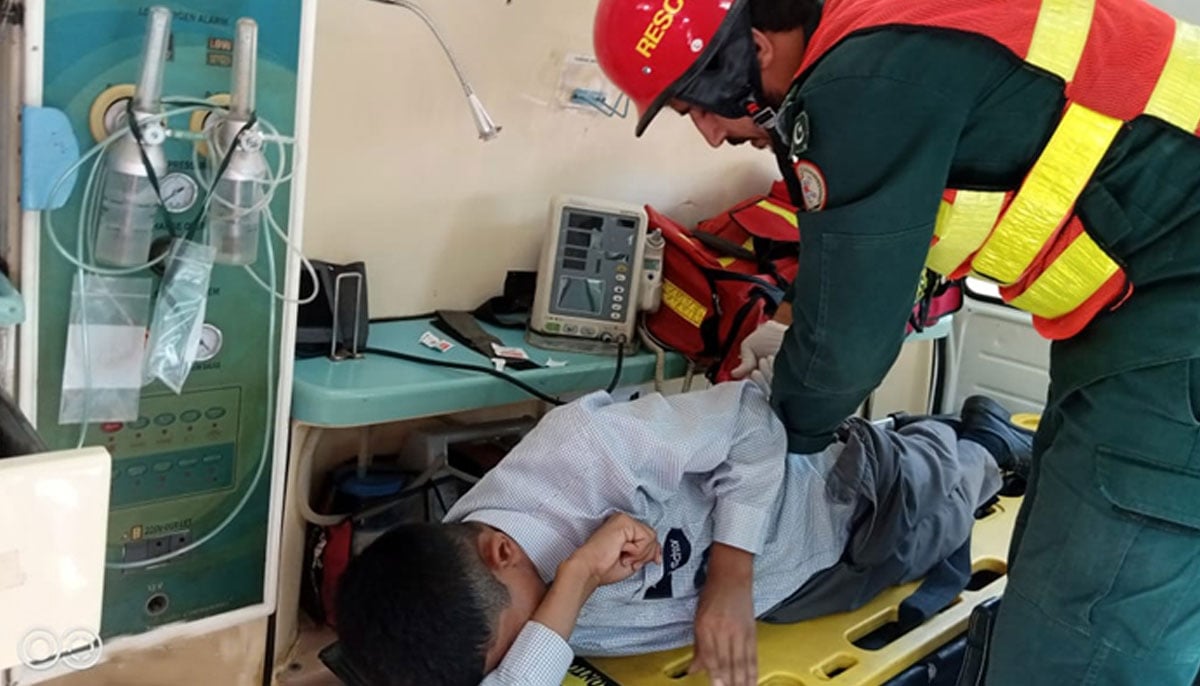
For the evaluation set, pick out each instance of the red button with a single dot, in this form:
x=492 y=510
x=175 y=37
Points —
x=112 y=427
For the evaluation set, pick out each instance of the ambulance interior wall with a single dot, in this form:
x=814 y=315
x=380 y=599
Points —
x=1188 y=10
x=398 y=178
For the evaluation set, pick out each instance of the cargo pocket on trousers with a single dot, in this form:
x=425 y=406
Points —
x=1166 y=496
x=1153 y=587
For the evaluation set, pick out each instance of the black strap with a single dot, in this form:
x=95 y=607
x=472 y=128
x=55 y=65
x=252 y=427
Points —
x=335 y=659
x=715 y=275
x=724 y=246
x=735 y=326
x=464 y=328
x=511 y=310
x=941 y=586
x=979 y=634
x=136 y=129
x=589 y=674
x=765 y=253
x=710 y=329
x=237 y=139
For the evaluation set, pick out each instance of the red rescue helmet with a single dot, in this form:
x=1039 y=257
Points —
x=654 y=49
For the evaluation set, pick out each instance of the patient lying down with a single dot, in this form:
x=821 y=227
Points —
x=619 y=528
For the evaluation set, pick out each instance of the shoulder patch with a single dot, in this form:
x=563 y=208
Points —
x=812 y=184
x=801 y=135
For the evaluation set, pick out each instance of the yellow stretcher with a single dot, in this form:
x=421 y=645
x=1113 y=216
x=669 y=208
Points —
x=822 y=652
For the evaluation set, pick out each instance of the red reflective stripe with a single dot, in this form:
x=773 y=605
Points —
x=1111 y=295
x=1117 y=73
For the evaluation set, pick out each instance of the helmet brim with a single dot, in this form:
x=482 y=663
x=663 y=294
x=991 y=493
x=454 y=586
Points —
x=714 y=47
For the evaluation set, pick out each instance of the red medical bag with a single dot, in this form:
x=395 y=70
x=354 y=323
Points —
x=727 y=277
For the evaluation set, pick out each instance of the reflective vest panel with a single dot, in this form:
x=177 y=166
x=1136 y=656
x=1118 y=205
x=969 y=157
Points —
x=1118 y=59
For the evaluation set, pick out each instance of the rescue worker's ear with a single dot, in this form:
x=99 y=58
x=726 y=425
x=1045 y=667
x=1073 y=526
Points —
x=764 y=48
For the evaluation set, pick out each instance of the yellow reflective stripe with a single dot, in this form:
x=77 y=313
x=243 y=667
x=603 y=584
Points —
x=962 y=227
x=787 y=214
x=684 y=305
x=1060 y=36
x=726 y=261
x=1069 y=281
x=1176 y=98
x=1048 y=195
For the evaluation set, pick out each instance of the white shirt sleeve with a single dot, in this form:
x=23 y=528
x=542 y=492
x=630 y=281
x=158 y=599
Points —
x=539 y=657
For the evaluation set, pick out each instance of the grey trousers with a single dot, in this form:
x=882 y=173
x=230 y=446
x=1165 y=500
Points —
x=915 y=492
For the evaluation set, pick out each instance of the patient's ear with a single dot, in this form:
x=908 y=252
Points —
x=498 y=551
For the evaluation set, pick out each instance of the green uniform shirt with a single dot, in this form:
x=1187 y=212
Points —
x=897 y=115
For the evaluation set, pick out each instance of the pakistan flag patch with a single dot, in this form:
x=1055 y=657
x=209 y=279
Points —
x=801 y=135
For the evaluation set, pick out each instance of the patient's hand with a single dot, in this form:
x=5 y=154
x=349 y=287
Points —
x=726 y=645
x=620 y=547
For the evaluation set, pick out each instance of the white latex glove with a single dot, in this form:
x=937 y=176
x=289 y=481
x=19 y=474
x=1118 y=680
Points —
x=764 y=342
x=764 y=374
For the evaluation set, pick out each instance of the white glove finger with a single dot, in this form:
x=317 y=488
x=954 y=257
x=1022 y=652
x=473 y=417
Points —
x=746 y=367
x=748 y=360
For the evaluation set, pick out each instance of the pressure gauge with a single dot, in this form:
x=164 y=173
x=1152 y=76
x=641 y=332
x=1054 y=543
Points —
x=211 y=339
x=179 y=192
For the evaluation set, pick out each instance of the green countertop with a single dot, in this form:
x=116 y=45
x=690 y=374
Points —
x=375 y=389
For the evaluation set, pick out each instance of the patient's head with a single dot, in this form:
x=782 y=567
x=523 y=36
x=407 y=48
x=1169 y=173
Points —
x=434 y=604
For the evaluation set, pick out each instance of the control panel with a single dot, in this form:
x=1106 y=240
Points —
x=188 y=448
x=590 y=275
x=192 y=474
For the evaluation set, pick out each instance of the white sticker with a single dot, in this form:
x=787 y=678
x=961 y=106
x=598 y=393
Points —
x=434 y=343
x=509 y=353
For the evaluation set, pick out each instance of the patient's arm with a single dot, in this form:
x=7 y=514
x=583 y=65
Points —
x=725 y=631
x=596 y=456
x=615 y=552
x=540 y=656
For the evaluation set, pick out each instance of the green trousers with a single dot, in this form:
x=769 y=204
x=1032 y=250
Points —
x=1104 y=579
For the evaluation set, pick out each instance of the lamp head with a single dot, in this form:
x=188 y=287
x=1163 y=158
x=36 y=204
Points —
x=483 y=121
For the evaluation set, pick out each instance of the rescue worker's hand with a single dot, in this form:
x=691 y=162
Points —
x=764 y=374
x=618 y=549
x=764 y=342
x=726 y=641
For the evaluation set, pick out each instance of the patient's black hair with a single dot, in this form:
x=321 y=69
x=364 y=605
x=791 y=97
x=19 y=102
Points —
x=784 y=15
x=419 y=607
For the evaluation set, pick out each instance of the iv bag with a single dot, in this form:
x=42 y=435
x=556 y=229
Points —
x=179 y=314
x=106 y=344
